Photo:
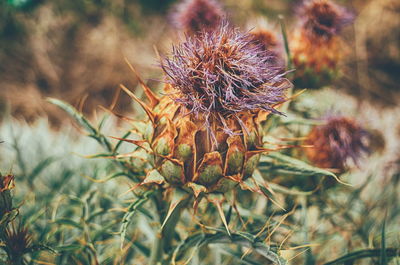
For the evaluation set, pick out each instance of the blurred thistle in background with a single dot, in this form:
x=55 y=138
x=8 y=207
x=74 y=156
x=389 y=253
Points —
x=338 y=144
x=316 y=44
x=193 y=16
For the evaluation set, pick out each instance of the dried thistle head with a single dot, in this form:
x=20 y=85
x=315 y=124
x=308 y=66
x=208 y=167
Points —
x=18 y=241
x=336 y=143
x=323 y=18
x=206 y=132
x=223 y=73
x=193 y=16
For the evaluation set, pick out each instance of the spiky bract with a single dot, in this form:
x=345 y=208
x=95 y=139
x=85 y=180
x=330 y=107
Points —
x=193 y=16
x=337 y=143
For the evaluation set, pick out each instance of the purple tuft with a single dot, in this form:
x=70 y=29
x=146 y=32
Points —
x=193 y=16
x=337 y=142
x=224 y=72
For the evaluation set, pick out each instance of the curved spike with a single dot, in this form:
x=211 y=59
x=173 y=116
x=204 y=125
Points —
x=118 y=115
x=148 y=111
x=217 y=200
x=154 y=100
x=139 y=143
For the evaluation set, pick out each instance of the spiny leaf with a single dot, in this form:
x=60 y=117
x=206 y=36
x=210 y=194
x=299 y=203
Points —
x=217 y=200
x=107 y=178
x=130 y=212
x=290 y=165
x=67 y=248
x=74 y=113
x=79 y=117
x=40 y=167
x=177 y=197
x=199 y=240
x=69 y=222
x=366 y=253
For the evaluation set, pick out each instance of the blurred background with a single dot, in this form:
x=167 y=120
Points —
x=76 y=51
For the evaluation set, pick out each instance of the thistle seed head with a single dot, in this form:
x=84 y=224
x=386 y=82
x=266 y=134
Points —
x=223 y=73
x=193 y=16
x=323 y=18
x=337 y=142
x=17 y=240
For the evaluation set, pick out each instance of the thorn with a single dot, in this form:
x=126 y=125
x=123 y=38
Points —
x=148 y=111
x=154 y=100
x=118 y=115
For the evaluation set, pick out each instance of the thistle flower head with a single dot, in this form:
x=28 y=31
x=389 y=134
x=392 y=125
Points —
x=17 y=241
x=337 y=142
x=323 y=18
x=193 y=16
x=223 y=73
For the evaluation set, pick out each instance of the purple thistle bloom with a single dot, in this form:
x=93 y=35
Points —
x=193 y=16
x=224 y=72
x=337 y=142
x=324 y=18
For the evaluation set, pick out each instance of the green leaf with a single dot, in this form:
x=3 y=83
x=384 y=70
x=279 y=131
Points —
x=366 y=253
x=177 y=197
x=68 y=222
x=383 y=257
x=68 y=248
x=130 y=212
x=39 y=168
x=74 y=113
x=79 y=117
x=199 y=240
x=284 y=164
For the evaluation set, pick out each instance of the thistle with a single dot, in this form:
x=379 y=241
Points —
x=17 y=242
x=193 y=16
x=316 y=45
x=269 y=41
x=337 y=144
x=206 y=132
